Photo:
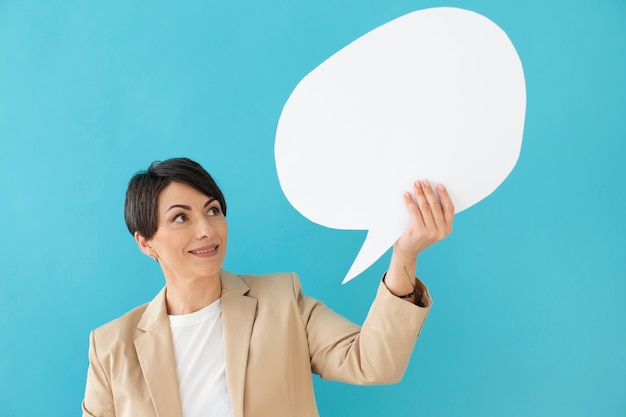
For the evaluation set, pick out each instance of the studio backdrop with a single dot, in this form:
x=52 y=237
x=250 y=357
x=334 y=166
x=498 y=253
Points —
x=528 y=316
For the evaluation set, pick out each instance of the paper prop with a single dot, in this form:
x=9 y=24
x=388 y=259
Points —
x=438 y=93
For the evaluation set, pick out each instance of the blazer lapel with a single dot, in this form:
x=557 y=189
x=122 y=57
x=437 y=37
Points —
x=238 y=312
x=156 y=357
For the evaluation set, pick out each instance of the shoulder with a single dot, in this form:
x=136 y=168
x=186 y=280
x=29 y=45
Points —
x=282 y=281
x=119 y=332
x=251 y=285
x=280 y=287
x=129 y=319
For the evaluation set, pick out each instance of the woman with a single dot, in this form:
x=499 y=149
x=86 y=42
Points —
x=212 y=343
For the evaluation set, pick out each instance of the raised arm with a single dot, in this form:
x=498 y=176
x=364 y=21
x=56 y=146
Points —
x=431 y=221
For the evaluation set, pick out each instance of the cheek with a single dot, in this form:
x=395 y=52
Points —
x=169 y=244
x=223 y=231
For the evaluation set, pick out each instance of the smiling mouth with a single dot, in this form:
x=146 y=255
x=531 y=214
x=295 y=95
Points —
x=204 y=251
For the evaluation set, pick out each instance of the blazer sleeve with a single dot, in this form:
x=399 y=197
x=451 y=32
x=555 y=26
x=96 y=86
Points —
x=378 y=352
x=98 y=401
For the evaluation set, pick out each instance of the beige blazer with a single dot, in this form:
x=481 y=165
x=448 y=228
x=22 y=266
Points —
x=274 y=338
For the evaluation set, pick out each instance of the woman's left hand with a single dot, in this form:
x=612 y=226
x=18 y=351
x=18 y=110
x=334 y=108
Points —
x=431 y=219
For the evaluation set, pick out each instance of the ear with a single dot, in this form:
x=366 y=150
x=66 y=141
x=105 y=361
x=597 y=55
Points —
x=144 y=245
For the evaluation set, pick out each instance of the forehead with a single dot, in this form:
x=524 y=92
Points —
x=180 y=193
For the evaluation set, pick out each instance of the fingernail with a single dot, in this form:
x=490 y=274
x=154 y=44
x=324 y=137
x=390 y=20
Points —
x=426 y=183
x=441 y=187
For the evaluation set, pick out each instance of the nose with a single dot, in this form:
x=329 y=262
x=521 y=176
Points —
x=205 y=229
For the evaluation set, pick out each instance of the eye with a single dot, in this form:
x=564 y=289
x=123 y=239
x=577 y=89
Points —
x=180 y=218
x=214 y=211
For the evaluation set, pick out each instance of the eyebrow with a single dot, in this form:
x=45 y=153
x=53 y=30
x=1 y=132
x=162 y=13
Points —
x=185 y=207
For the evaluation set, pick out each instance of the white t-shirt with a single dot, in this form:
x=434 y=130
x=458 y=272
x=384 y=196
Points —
x=199 y=353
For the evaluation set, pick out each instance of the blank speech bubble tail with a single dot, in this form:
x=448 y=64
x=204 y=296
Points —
x=376 y=243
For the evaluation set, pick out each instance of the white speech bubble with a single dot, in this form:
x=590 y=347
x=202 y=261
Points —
x=438 y=93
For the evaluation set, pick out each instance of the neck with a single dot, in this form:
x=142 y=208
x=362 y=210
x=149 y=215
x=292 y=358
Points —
x=187 y=297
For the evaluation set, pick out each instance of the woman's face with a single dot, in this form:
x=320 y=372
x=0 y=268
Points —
x=190 y=241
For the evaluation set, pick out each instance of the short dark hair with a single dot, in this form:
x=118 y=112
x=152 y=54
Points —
x=142 y=195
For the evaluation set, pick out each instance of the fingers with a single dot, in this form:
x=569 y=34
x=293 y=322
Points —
x=421 y=198
x=434 y=207
x=413 y=209
x=431 y=218
x=435 y=213
x=446 y=205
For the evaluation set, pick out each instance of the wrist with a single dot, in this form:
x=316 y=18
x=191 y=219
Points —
x=404 y=257
x=417 y=295
x=405 y=288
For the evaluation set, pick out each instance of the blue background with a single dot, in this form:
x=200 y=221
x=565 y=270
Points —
x=529 y=316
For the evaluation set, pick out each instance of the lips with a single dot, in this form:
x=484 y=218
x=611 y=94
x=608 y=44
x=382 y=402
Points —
x=205 y=251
